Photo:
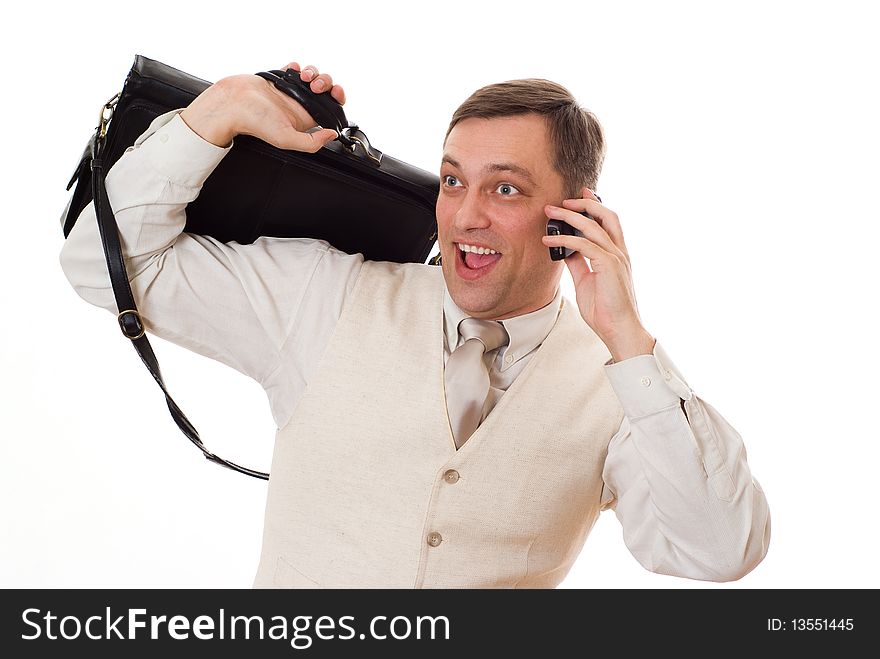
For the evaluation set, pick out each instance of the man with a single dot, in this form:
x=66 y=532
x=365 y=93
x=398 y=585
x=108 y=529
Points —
x=459 y=426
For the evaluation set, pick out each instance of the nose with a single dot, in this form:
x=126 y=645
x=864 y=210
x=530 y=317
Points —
x=472 y=214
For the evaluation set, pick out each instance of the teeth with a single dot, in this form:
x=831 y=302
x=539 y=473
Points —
x=475 y=250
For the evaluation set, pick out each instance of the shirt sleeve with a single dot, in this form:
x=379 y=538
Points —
x=677 y=477
x=266 y=309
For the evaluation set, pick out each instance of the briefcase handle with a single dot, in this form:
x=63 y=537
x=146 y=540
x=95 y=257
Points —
x=324 y=109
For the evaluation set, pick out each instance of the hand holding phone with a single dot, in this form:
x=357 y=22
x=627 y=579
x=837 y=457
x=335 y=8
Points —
x=561 y=228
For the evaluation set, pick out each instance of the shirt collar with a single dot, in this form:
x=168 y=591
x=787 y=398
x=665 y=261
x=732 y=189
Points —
x=526 y=332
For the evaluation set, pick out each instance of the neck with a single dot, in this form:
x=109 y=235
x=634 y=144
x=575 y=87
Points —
x=522 y=311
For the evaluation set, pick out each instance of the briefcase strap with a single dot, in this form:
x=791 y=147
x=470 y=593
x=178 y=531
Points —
x=129 y=319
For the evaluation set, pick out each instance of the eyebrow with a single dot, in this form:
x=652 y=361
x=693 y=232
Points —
x=497 y=167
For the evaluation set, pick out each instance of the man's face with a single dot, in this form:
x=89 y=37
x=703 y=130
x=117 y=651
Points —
x=495 y=179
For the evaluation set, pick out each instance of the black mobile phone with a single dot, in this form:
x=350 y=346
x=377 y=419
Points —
x=561 y=228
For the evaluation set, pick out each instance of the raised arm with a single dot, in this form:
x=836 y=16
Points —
x=238 y=304
x=678 y=479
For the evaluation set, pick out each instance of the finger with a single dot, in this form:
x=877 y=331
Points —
x=321 y=83
x=578 y=266
x=606 y=217
x=322 y=137
x=588 y=226
x=307 y=142
x=599 y=258
x=309 y=72
x=338 y=93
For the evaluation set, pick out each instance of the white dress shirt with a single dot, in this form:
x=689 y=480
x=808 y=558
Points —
x=268 y=310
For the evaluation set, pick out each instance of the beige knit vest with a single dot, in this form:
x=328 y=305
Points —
x=360 y=480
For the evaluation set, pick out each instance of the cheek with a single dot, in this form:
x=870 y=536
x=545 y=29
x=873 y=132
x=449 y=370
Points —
x=528 y=236
x=445 y=211
x=536 y=259
x=536 y=269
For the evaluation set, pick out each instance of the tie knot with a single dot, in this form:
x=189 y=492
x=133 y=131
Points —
x=490 y=333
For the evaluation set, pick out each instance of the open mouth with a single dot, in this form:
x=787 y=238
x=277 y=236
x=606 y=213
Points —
x=475 y=257
x=474 y=261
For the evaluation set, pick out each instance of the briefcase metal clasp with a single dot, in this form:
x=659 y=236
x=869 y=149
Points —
x=107 y=114
x=353 y=137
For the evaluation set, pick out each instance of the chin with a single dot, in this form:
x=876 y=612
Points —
x=474 y=300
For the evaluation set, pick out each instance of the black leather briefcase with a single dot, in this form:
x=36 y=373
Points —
x=349 y=193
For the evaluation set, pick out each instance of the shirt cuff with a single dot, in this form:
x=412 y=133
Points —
x=646 y=384
x=177 y=152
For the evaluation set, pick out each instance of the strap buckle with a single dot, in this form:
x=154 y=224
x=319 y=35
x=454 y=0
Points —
x=131 y=324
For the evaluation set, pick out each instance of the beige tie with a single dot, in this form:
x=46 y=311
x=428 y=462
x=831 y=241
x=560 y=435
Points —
x=467 y=378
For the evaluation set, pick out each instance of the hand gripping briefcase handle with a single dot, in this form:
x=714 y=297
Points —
x=398 y=195
x=324 y=109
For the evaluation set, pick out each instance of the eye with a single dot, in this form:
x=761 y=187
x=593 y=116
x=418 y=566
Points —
x=451 y=181
x=506 y=189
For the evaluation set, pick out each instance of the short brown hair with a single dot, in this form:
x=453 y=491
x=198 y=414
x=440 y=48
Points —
x=577 y=138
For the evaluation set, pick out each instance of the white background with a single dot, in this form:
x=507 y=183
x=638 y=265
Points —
x=742 y=160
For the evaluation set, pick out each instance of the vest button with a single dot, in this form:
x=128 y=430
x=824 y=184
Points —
x=434 y=539
x=451 y=476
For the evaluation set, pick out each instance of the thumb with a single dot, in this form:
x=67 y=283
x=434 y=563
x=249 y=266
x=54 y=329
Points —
x=306 y=142
x=324 y=136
